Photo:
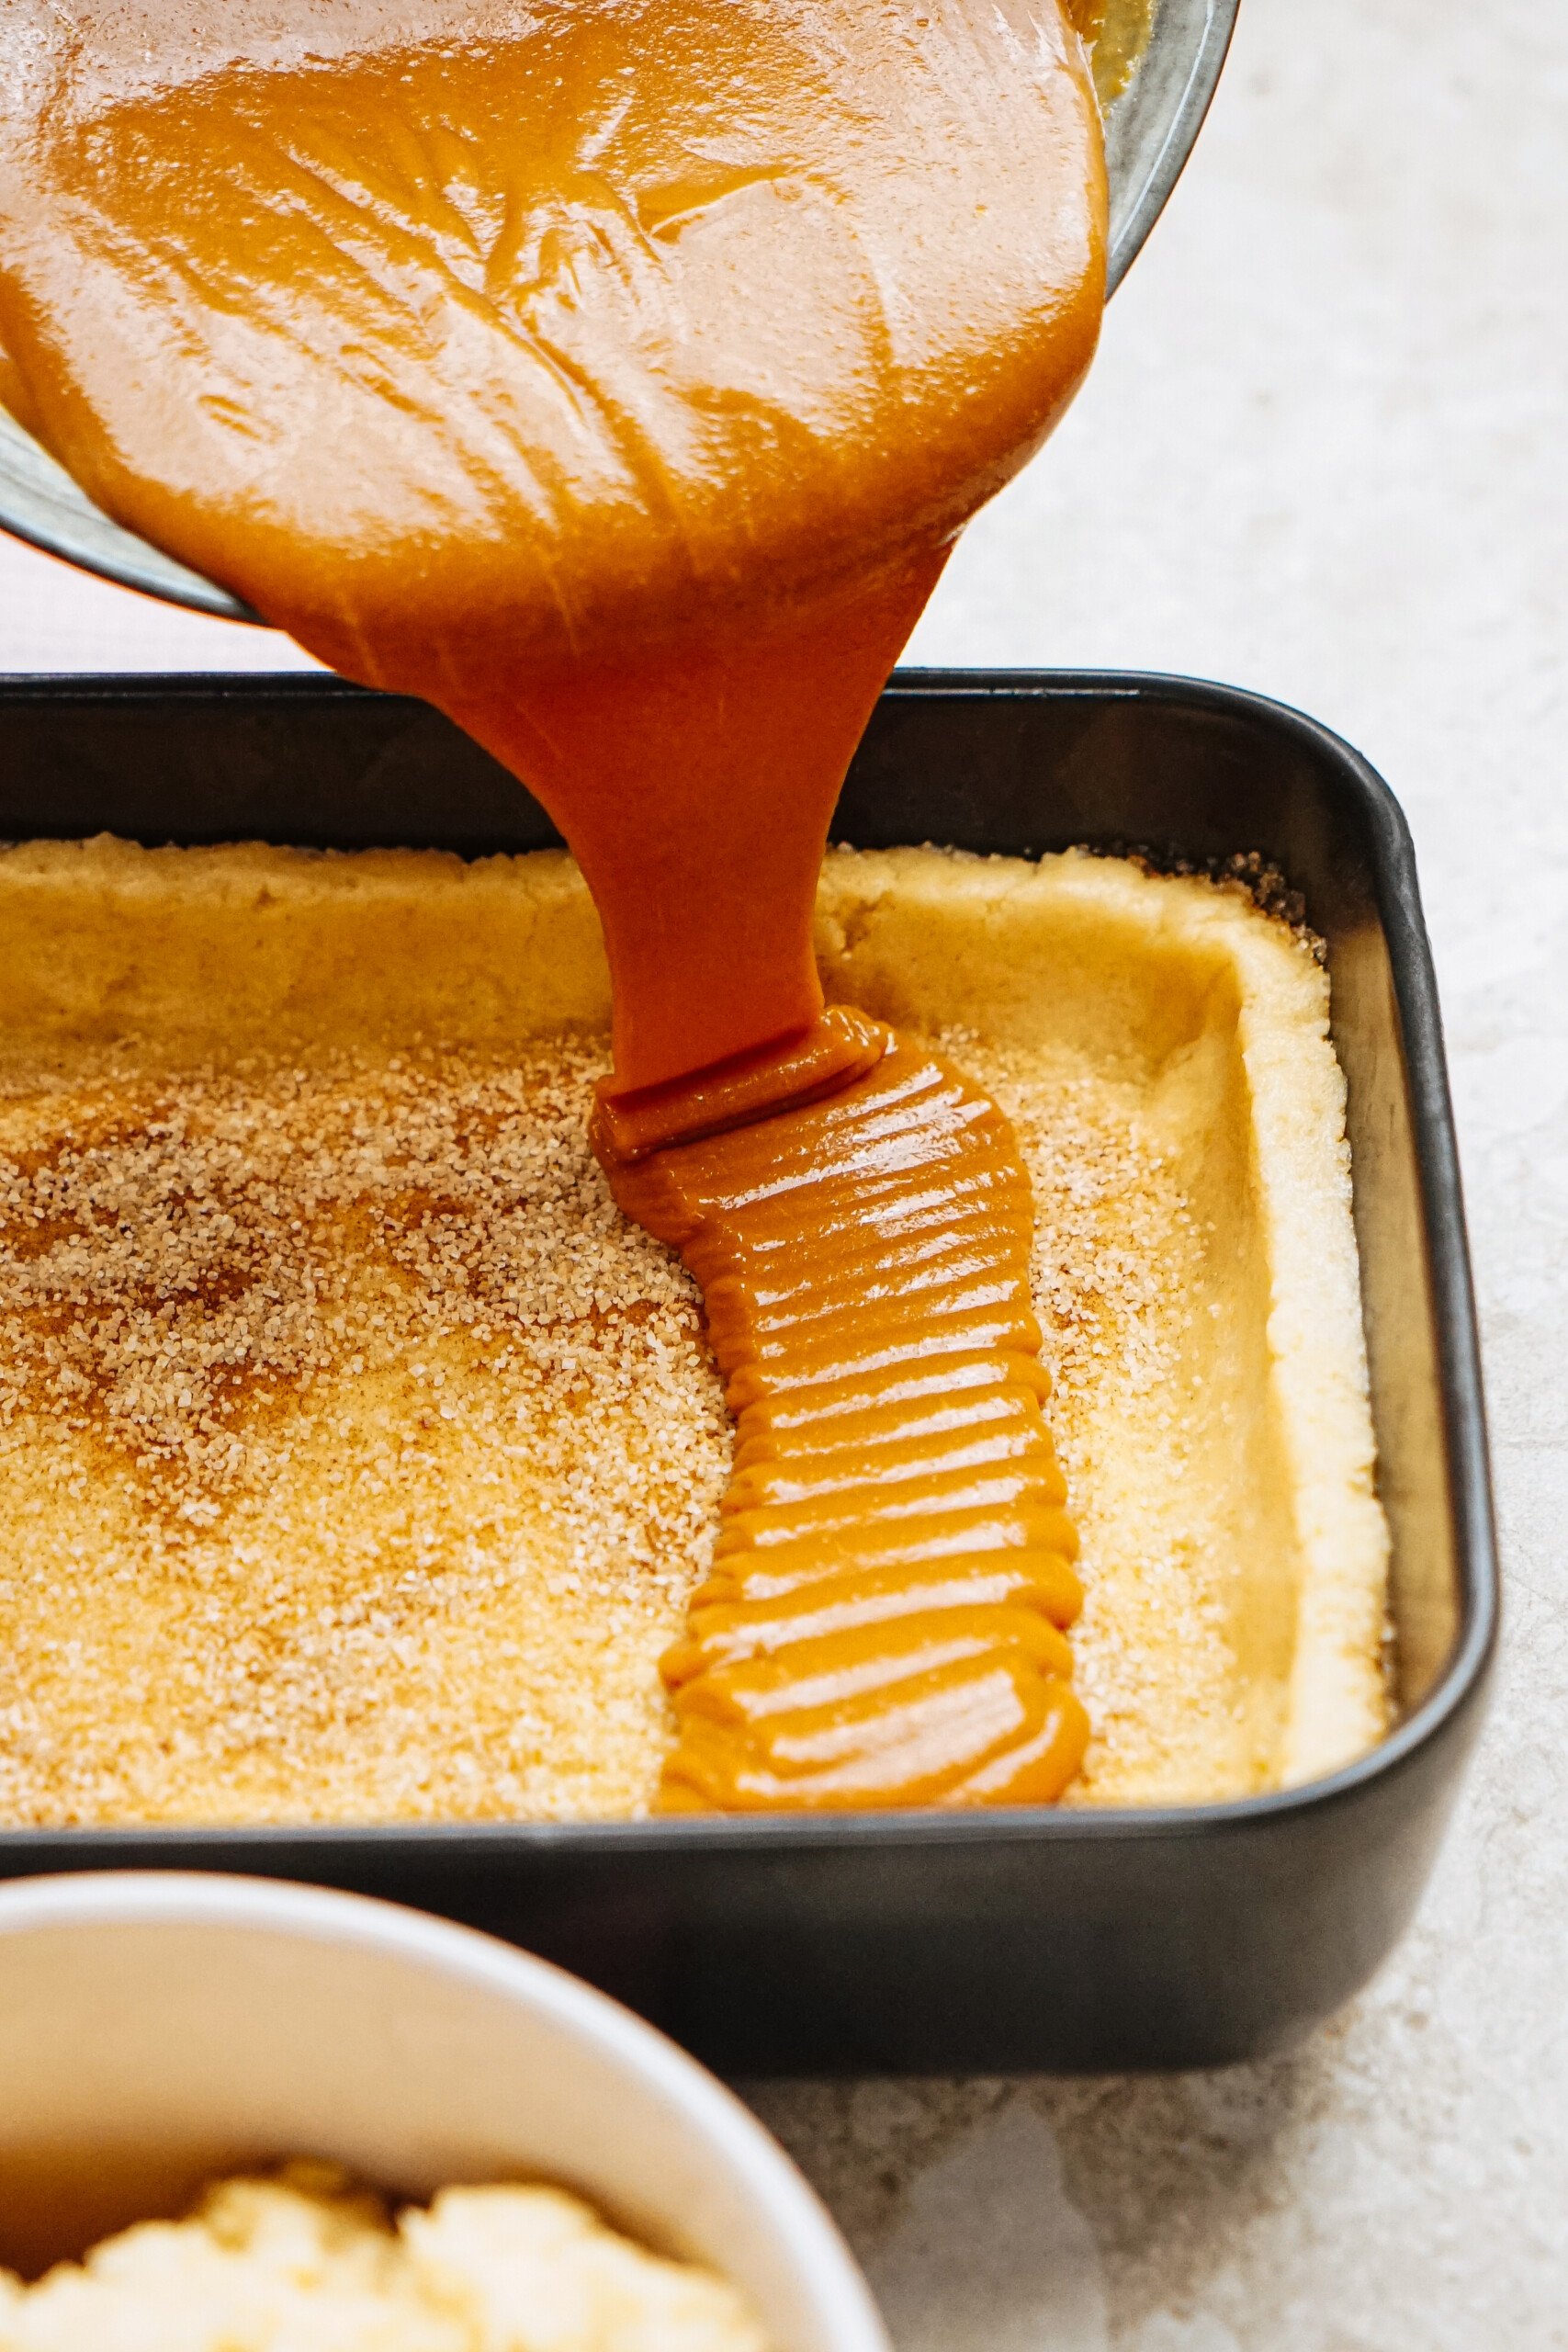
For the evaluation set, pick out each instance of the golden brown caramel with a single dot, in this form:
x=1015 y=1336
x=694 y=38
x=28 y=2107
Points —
x=617 y=376
x=883 y=1624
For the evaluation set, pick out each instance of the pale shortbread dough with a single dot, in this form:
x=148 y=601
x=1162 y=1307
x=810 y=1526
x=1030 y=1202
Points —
x=356 y=1458
x=303 y=2264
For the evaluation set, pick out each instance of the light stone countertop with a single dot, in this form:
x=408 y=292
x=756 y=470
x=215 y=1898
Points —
x=1322 y=456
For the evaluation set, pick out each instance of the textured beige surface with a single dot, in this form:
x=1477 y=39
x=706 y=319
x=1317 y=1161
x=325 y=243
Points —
x=1322 y=456
x=356 y=1455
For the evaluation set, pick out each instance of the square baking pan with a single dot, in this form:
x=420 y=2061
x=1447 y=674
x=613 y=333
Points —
x=925 y=1942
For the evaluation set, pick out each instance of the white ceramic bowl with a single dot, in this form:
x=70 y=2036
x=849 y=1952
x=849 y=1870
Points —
x=157 y=2026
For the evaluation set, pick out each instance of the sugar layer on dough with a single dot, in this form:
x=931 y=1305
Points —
x=356 y=1457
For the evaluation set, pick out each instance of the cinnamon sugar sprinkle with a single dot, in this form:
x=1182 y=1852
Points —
x=356 y=1457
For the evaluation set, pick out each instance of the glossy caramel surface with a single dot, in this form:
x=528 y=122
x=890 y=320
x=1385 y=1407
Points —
x=616 y=375
x=884 y=1621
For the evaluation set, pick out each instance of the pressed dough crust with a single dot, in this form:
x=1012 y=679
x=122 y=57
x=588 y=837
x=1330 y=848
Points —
x=356 y=1457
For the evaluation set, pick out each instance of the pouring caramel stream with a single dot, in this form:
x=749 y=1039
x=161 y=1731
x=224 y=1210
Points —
x=615 y=375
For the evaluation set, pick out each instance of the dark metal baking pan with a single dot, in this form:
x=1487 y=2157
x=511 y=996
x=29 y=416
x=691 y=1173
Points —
x=920 y=1943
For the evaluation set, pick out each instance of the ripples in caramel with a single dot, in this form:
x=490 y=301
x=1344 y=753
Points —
x=885 y=1623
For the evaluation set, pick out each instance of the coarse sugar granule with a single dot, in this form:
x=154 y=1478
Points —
x=356 y=1456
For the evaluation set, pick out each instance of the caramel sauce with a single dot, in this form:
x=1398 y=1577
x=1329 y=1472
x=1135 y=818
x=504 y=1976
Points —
x=616 y=375
x=883 y=1621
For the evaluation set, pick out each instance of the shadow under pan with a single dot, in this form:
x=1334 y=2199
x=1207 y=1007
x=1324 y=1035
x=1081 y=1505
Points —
x=998 y=1941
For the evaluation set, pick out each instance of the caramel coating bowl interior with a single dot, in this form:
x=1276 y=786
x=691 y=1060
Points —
x=1162 y=89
